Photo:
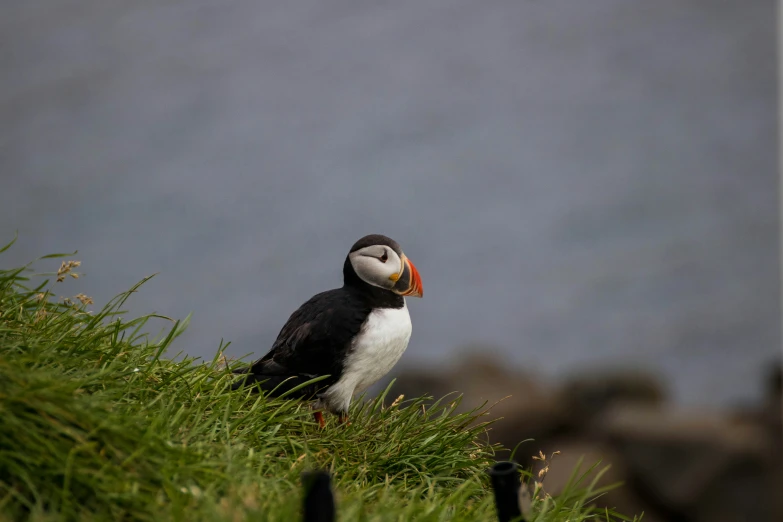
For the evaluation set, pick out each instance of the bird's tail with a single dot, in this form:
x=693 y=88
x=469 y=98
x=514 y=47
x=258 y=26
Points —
x=276 y=385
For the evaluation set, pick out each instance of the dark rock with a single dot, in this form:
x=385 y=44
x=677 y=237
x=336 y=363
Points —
x=676 y=466
x=520 y=403
x=692 y=467
x=608 y=468
x=586 y=396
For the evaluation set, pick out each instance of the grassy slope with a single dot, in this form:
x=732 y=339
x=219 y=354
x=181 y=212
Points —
x=95 y=425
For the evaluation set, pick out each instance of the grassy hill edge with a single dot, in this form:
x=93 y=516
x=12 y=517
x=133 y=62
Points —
x=96 y=424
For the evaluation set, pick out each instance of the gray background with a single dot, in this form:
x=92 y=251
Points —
x=581 y=184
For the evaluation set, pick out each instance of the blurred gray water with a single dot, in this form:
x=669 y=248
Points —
x=581 y=184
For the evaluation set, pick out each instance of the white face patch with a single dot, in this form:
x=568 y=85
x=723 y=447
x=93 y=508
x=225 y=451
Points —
x=376 y=265
x=379 y=345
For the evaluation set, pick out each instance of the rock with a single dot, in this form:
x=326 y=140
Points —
x=588 y=395
x=676 y=466
x=690 y=466
x=523 y=407
x=573 y=452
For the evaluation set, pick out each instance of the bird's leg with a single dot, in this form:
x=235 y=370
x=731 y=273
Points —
x=343 y=419
x=319 y=417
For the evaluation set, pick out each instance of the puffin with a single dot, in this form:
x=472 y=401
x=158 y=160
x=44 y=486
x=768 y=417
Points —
x=352 y=335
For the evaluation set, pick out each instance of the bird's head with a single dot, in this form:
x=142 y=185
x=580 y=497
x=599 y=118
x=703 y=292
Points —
x=379 y=261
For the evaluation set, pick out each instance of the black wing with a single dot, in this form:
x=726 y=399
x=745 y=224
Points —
x=313 y=342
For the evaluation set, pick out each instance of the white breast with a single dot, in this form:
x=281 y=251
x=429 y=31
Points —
x=380 y=344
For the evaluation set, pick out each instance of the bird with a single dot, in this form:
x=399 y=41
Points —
x=353 y=335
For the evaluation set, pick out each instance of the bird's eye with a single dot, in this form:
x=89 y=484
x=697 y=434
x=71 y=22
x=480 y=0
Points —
x=384 y=257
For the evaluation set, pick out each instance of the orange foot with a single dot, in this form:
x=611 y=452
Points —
x=343 y=419
x=319 y=417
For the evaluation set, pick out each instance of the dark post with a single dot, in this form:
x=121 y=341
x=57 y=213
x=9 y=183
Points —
x=506 y=484
x=318 y=498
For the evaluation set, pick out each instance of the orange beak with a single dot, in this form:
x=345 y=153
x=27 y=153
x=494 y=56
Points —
x=409 y=281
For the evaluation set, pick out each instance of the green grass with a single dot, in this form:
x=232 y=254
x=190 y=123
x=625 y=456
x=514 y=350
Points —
x=96 y=424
